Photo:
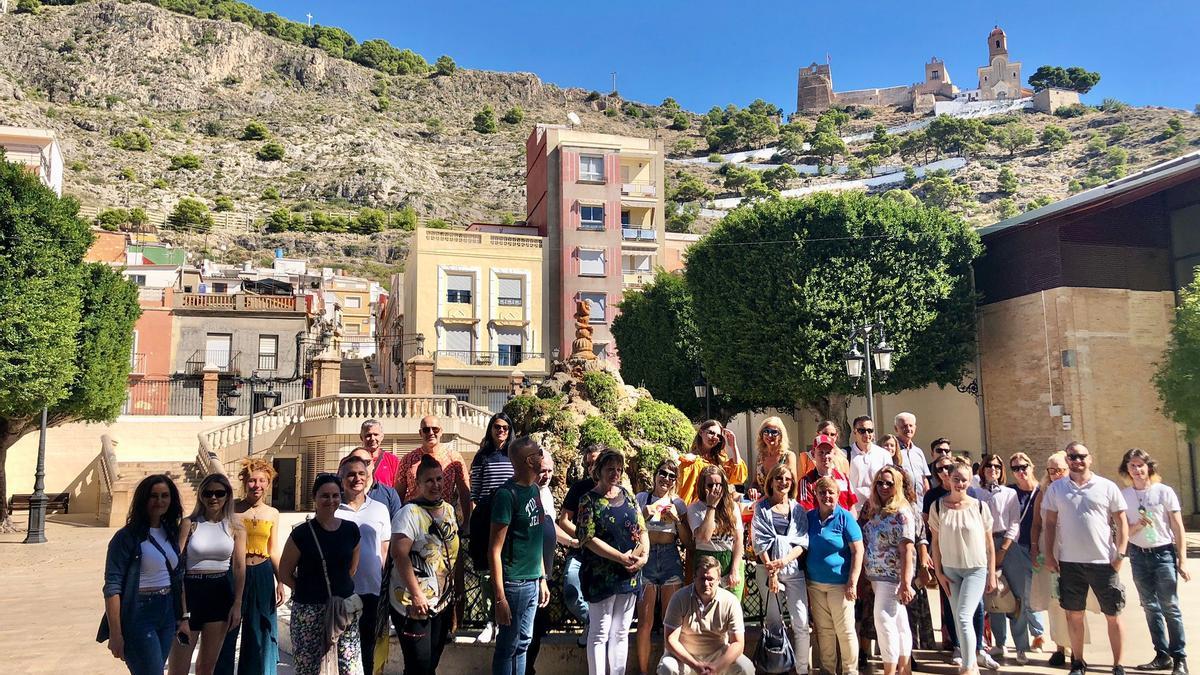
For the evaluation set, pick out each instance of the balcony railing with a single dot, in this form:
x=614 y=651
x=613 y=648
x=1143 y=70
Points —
x=240 y=302
x=137 y=364
x=636 y=279
x=638 y=189
x=591 y=226
x=508 y=302
x=509 y=359
x=268 y=361
x=638 y=234
x=221 y=360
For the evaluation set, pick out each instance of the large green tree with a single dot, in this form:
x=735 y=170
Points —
x=1178 y=376
x=66 y=327
x=1074 y=78
x=781 y=284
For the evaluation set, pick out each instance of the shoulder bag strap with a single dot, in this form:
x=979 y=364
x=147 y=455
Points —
x=324 y=569
x=1032 y=496
x=170 y=568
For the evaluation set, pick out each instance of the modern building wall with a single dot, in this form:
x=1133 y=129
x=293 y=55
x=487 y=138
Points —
x=193 y=326
x=36 y=149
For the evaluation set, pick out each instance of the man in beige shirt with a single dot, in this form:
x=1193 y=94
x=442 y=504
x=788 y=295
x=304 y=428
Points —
x=704 y=630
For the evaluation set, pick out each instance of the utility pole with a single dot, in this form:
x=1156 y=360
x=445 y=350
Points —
x=614 y=77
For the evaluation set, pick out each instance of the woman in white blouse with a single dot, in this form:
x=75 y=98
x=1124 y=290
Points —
x=963 y=555
x=1006 y=527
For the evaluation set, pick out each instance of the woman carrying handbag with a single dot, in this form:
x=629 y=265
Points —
x=780 y=536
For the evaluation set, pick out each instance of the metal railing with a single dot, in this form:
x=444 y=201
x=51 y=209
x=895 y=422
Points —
x=222 y=360
x=268 y=361
x=638 y=234
x=108 y=465
x=176 y=396
x=137 y=364
x=638 y=189
x=471 y=357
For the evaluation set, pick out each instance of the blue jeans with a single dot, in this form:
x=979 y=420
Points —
x=148 y=639
x=573 y=591
x=1157 y=582
x=1018 y=571
x=966 y=592
x=512 y=641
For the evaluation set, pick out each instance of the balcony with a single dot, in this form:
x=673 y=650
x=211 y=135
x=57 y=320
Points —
x=638 y=190
x=221 y=360
x=137 y=364
x=638 y=234
x=476 y=360
x=240 y=302
x=634 y=279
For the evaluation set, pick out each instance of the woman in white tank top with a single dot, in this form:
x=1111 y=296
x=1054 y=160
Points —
x=214 y=554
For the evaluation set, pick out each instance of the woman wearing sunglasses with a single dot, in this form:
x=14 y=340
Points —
x=1018 y=562
x=773 y=449
x=1006 y=527
x=489 y=470
x=213 y=544
x=712 y=446
x=964 y=557
x=1044 y=593
x=666 y=522
x=780 y=536
x=889 y=533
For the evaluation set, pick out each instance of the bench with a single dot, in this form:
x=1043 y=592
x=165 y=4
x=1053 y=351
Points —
x=57 y=500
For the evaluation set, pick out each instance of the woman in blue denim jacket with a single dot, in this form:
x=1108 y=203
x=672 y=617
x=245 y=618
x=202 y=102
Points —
x=141 y=583
x=779 y=535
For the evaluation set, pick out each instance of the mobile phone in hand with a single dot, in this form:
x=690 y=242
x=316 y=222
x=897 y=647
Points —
x=182 y=637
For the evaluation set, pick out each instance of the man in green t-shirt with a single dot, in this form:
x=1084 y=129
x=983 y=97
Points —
x=518 y=580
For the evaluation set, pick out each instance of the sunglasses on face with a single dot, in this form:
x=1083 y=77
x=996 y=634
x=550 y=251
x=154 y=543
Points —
x=770 y=432
x=993 y=466
x=1074 y=457
x=1054 y=469
x=864 y=431
x=714 y=485
x=500 y=427
x=431 y=430
x=885 y=483
x=945 y=468
x=942 y=451
x=1020 y=467
x=666 y=475
x=214 y=494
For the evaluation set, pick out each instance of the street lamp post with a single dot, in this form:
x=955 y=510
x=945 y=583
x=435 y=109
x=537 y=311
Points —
x=877 y=358
x=270 y=400
x=36 y=532
x=702 y=391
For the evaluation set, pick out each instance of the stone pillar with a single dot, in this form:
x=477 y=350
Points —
x=418 y=374
x=208 y=393
x=327 y=375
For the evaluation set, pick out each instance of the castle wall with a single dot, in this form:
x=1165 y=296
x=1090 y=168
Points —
x=886 y=96
x=1049 y=100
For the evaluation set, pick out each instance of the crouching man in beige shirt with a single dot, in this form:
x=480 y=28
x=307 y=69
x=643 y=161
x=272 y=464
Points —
x=705 y=633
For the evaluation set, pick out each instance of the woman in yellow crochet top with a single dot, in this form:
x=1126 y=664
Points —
x=712 y=446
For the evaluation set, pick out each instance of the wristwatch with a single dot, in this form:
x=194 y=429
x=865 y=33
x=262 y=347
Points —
x=1122 y=554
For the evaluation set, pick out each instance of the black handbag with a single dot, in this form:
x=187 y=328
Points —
x=774 y=652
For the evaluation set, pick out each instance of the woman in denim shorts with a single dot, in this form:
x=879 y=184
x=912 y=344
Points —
x=666 y=520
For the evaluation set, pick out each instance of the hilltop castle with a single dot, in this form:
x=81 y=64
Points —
x=1000 y=79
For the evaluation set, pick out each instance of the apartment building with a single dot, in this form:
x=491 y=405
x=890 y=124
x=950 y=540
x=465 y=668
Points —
x=352 y=296
x=476 y=298
x=598 y=201
x=37 y=150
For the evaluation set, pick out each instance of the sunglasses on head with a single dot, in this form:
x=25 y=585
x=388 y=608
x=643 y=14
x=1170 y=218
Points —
x=431 y=430
x=1019 y=467
x=217 y=494
x=864 y=431
x=1075 y=457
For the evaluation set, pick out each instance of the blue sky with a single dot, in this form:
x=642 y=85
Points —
x=706 y=53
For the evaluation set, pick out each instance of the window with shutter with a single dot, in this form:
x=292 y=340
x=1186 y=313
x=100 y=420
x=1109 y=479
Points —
x=456 y=343
x=599 y=305
x=591 y=218
x=458 y=288
x=591 y=263
x=268 y=352
x=509 y=292
x=508 y=346
x=591 y=168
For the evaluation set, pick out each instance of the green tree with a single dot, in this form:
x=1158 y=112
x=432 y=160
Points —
x=28 y=7
x=1066 y=112
x=1174 y=127
x=190 y=214
x=779 y=177
x=915 y=144
x=135 y=140
x=255 y=131
x=792 y=137
x=1178 y=375
x=67 y=325
x=827 y=146
x=1013 y=137
x=280 y=220
x=369 y=221
x=485 y=120
x=1073 y=78
x=737 y=178
x=669 y=105
x=514 y=115
x=185 y=161
x=957 y=135
x=1006 y=208
x=681 y=217
x=1118 y=132
x=1055 y=137
x=687 y=188
x=944 y=192
x=847 y=256
x=445 y=66
x=1007 y=181
x=405 y=219
x=223 y=203
x=111 y=220
x=271 y=151
x=680 y=121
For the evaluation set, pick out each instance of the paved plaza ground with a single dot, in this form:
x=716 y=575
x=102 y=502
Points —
x=51 y=606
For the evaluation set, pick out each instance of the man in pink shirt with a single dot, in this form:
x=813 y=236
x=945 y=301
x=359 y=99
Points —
x=386 y=464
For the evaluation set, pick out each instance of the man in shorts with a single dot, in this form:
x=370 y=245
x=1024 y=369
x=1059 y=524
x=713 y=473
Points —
x=1078 y=510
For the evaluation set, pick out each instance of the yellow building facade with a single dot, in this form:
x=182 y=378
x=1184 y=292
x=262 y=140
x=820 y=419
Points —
x=477 y=298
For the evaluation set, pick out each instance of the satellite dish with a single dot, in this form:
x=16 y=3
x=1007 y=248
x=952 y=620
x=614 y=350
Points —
x=573 y=119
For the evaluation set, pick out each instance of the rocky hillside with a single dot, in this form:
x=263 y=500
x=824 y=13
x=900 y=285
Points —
x=153 y=106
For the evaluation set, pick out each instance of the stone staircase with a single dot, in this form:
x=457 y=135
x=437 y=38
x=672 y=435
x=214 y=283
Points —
x=187 y=477
x=373 y=375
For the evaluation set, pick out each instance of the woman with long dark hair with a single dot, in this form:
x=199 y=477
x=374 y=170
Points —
x=319 y=560
x=489 y=470
x=716 y=524
x=142 y=590
x=712 y=446
x=214 y=546
x=666 y=520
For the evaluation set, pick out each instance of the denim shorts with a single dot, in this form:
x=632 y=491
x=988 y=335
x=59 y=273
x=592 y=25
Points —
x=664 y=566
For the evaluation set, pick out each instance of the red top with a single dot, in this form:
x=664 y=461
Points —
x=452 y=464
x=806 y=492
x=386 y=467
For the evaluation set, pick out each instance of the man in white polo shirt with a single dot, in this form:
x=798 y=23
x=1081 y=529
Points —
x=375 y=527
x=865 y=459
x=1078 y=510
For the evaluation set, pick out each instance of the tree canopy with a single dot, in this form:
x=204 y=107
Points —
x=66 y=327
x=1178 y=375
x=1073 y=78
x=782 y=282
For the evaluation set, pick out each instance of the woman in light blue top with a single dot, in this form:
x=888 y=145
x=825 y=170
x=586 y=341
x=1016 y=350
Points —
x=779 y=534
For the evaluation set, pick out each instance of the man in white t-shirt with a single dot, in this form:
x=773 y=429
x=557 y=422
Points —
x=914 y=457
x=865 y=459
x=375 y=527
x=1078 y=510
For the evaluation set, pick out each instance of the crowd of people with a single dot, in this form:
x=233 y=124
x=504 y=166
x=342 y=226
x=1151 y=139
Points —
x=843 y=544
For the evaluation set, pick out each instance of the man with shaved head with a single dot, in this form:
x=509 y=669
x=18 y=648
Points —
x=456 y=488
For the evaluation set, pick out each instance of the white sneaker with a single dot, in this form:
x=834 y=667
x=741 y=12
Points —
x=487 y=634
x=956 y=659
x=1022 y=659
x=986 y=661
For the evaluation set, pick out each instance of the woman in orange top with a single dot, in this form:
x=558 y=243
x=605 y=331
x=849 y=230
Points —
x=712 y=446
